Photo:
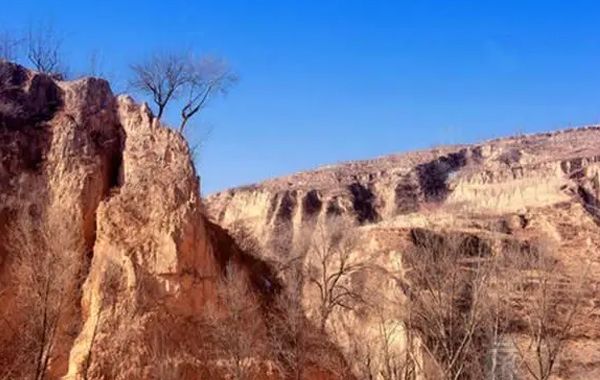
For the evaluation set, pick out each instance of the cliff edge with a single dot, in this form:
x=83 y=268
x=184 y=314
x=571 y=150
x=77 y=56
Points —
x=108 y=265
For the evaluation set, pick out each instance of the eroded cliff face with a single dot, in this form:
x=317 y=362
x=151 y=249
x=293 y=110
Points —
x=151 y=245
x=511 y=192
x=61 y=149
x=496 y=177
x=104 y=238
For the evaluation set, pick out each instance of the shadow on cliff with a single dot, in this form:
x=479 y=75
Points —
x=433 y=176
x=27 y=103
x=261 y=275
x=271 y=289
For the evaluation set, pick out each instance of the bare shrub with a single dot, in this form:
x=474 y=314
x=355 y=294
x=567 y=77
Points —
x=446 y=305
x=44 y=50
x=45 y=275
x=245 y=239
x=236 y=330
x=547 y=305
x=9 y=46
x=289 y=329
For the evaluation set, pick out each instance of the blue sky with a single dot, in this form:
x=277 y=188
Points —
x=326 y=81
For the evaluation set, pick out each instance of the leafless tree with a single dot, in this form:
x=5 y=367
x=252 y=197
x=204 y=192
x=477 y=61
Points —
x=331 y=264
x=394 y=364
x=96 y=64
x=173 y=76
x=45 y=275
x=377 y=354
x=384 y=348
x=295 y=343
x=162 y=76
x=500 y=313
x=9 y=46
x=44 y=50
x=489 y=315
x=206 y=78
x=550 y=306
x=236 y=329
x=289 y=335
x=445 y=305
x=362 y=352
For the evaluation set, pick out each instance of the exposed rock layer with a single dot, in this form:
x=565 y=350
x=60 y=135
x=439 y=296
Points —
x=122 y=191
x=495 y=177
x=501 y=193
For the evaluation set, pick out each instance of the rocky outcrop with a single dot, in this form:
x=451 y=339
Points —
x=96 y=184
x=61 y=149
x=505 y=195
x=494 y=177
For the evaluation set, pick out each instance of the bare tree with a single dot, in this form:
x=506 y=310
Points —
x=168 y=77
x=377 y=353
x=162 y=76
x=96 y=64
x=393 y=365
x=448 y=279
x=206 y=78
x=236 y=329
x=501 y=363
x=44 y=50
x=362 y=352
x=384 y=348
x=9 y=46
x=292 y=341
x=296 y=344
x=484 y=315
x=45 y=275
x=550 y=306
x=331 y=264
x=289 y=336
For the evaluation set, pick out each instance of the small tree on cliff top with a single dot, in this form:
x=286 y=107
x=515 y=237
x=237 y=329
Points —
x=167 y=77
x=162 y=76
x=9 y=45
x=44 y=50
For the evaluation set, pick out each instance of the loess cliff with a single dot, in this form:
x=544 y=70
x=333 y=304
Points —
x=113 y=267
x=510 y=195
x=107 y=260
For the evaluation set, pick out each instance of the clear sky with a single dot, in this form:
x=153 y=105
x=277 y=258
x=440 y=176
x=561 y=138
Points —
x=331 y=80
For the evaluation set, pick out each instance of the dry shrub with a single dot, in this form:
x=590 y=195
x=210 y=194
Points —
x=332 y=264
x=46 y=278
x=494 y=315
x=295 y=343
x=445 y=304
x=236 y=327
x=543 y=307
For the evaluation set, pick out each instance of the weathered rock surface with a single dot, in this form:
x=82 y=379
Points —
x=496 y=177
x=519 y=189
x=107 y=182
